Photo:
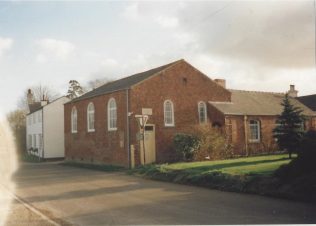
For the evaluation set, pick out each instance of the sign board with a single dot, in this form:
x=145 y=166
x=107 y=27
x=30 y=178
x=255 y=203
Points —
x=142 y=120
x=147 y=111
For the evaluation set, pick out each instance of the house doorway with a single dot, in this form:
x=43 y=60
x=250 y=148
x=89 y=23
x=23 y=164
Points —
x=150 y=145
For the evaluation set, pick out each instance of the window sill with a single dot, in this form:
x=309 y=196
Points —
x=169 y=126
x=91 y=131
x=112 y=129
x=74 y=132
x=254 y=141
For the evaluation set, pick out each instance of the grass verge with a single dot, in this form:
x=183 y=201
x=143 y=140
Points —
x=30 y=158
x=249 y=175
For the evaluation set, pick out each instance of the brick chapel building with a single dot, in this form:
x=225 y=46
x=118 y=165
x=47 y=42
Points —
x=100 y=126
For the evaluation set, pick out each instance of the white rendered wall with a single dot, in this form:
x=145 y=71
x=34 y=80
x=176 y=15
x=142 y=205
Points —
x=34 y=127
x=53 y=122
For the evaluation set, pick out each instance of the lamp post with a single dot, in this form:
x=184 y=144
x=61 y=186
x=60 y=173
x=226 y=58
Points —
x=142 y=120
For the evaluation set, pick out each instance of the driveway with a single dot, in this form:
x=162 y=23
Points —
x=87 y=197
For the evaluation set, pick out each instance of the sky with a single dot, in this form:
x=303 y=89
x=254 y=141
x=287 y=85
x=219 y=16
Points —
x=254 y=45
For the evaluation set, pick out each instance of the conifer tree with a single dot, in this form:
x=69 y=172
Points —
x=290 y=127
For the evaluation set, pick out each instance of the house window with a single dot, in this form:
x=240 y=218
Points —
x=168 y=113
x=40 y=141
x=29 y=141
x=112 y=114
x=202 y=112
x=74 y=120
x=34 y=141
x=90 y=117
x=254 y=127
x=34 y=118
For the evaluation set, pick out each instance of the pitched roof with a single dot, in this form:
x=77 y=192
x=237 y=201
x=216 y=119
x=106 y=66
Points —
x=309 y=101
x=34 y=107
x=257 y=103
x=123 y=83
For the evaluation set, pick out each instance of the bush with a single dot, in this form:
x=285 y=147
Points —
x=186 y=145
x=307 y=152
x=305 y=163
x=213 y=143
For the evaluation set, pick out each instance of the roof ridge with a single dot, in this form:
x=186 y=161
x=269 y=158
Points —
x=126 y=82
x=256 y=91
x=169 y=64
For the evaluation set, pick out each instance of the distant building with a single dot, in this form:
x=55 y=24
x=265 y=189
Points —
x=250 y=118
x=309 y=101
x=45 y=127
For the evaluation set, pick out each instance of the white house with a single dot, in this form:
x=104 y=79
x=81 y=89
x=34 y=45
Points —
x=45 y=127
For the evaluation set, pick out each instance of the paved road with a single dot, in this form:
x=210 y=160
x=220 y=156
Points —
x=86 y=197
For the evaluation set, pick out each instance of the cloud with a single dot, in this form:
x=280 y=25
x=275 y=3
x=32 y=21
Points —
x=276 y=34
x=131 y=11
x=5 y=45
x=54 y=49
x=167 y=21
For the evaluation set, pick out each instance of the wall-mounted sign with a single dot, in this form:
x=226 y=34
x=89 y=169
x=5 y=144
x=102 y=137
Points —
x=147 y=111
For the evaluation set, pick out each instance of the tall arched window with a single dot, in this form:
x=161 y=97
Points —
x=90 y=117
x=254 y=127
x=168 y=113
x=112 y=114
x=74 y=120
x=202 y=112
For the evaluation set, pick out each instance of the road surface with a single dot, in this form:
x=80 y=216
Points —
x=86 y=197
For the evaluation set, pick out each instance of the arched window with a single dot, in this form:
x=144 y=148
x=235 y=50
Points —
x=168 y=113
x=74 y=120
x=254 y=127
x=202 y=112
x=90 y=117
x=112 y=114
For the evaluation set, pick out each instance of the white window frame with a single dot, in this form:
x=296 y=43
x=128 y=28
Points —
x=112 y=115
x=74 y=120
x=40 y=142
x=29 y=141
x=91 y=124
x=34 y=141
x=256 y=126
x=202 y=104
x=168 y=124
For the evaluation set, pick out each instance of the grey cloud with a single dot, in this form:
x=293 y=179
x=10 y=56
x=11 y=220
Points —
x=273 y=33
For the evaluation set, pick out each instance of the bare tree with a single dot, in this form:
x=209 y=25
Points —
x=39 y=92
x=17 y=123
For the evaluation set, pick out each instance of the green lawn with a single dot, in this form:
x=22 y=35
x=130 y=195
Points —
x=239 y=174
x=262 y=165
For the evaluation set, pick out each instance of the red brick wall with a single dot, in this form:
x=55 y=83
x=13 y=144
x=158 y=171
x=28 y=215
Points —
x=101 y=146
x=185 y=87
x=236 y=131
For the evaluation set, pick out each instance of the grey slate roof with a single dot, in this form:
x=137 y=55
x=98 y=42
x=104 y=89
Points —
x=309 y=101
x=34 y=107
x=123 y=83
x=257 y=103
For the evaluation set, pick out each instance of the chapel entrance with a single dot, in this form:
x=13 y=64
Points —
x=150 y=145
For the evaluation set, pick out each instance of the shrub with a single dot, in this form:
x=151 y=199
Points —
x=213 y=143
x=186 y=145
x=307 y=152
x=305 y=163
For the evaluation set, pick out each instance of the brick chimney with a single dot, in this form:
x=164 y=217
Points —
x=30 y=97
x=292 y=92
x=221 y=82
